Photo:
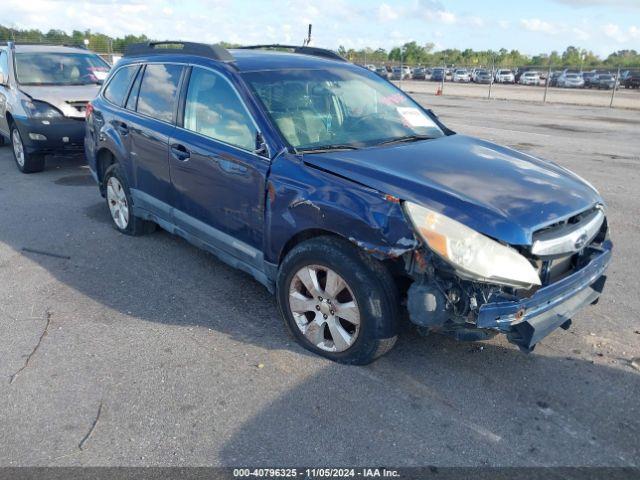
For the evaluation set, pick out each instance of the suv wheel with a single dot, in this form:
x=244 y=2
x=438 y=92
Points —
x=337 y=302
x=26 y=162
x=120 y=205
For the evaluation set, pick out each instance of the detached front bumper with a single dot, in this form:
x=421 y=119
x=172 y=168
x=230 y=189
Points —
x=59 y=135
x=527 y=321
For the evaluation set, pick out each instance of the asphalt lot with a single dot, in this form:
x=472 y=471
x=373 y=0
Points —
x=624 y=98
x=155 y=353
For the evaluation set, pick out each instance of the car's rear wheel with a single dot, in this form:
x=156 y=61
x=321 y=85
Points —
x=121 y=206
x=25 y=161
x=337 y=302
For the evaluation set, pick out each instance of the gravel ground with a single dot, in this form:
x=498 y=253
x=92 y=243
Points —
x=148 y=351
x=624 y=98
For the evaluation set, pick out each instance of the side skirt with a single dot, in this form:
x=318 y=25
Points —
x=228 y=249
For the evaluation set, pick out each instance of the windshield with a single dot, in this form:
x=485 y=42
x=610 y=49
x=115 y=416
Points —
x=41 y=68
x=339 y=108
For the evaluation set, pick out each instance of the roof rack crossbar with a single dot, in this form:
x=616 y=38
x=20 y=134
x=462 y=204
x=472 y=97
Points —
x=315 y=51
x=168 y=47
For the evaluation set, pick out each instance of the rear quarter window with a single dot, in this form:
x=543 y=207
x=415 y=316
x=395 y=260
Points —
x=118 y=86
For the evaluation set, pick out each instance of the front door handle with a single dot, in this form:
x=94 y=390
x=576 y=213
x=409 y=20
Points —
x=180 y=152
x=122 y=128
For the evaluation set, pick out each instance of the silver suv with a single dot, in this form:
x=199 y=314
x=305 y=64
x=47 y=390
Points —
x=44 y=90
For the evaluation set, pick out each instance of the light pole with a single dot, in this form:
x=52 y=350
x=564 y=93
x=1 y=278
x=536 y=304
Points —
x=401 y=60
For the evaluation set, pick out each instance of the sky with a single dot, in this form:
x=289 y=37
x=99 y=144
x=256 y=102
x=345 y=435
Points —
x=533 y=26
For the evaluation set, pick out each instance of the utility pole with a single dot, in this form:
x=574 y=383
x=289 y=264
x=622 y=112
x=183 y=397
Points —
x=615 y=86
x=546 y=85
x=401 y=60
x=493 y=69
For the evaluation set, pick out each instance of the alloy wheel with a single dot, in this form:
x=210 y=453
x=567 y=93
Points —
x=118 y=205
x=18 y=148
x=324 y=308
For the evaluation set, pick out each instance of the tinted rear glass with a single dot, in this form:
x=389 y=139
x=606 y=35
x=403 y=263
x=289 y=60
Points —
x=159 y=91
x=117 y=88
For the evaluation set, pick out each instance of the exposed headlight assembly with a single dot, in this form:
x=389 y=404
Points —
x=473 y=255
x=36 y=109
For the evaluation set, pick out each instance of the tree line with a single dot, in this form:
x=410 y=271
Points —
x=410 y=53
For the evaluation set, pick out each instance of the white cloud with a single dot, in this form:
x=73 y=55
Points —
x=387 y=13
x=504 y=24
x=617 y=33
x=580 y=34
x=537 y=25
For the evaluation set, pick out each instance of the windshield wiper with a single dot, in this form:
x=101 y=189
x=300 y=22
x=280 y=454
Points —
x=327 y=148
x=405 y=138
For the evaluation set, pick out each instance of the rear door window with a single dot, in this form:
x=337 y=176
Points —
x=118 y=86
x=159 y=91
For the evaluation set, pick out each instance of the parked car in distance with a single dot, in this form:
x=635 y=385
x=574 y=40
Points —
x=461 y=75
x=419 y=73
x=370 y=67
x=438 y=74
x=553 y=79
x=43 y=93
x=483 y=76
x=327 y=185
x=631 y=79
x=383 y=72
x=588 y=78
x=570 y=80
x=605 y=81
x=401 y=73
x=530 y=78
x=505 y=76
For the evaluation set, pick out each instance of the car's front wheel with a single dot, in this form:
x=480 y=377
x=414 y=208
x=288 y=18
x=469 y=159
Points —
x=121 y=206
x=338 y=302
x=25 y=161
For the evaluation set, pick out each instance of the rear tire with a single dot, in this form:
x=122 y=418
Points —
x=321 y=318
x=26 y=162
x=120 y=204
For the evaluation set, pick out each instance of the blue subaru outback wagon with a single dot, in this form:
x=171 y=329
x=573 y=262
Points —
x=343 y=196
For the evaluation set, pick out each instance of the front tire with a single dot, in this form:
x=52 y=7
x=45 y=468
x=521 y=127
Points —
x=26 y=162
x=120 y=204
x=337 y=301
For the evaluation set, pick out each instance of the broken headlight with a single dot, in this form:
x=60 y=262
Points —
x=473 y=255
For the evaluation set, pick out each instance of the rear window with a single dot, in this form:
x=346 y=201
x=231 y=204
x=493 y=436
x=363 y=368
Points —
x=159 y=91
x=118 y=86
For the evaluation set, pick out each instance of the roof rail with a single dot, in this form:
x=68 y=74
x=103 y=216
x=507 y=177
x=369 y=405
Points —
x=168 y=47
x=316 y=52
x=11 y=43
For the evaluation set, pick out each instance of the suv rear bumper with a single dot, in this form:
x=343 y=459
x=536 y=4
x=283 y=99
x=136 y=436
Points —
x=63 y=135
x=529 y=320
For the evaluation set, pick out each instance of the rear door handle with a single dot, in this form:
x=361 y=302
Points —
x=180 y=152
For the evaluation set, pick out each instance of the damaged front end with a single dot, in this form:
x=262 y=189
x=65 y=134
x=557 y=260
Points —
x=571 y=269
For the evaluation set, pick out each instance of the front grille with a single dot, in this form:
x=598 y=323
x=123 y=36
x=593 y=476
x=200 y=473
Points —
x=569 y=236
x=560 y=246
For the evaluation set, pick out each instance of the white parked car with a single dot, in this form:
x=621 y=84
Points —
x=461 y=75
x=505 y=76
x=571 y=80
x=530 y=78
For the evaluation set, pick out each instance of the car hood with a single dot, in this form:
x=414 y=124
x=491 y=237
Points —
x=495 y=190
x=70 y=100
